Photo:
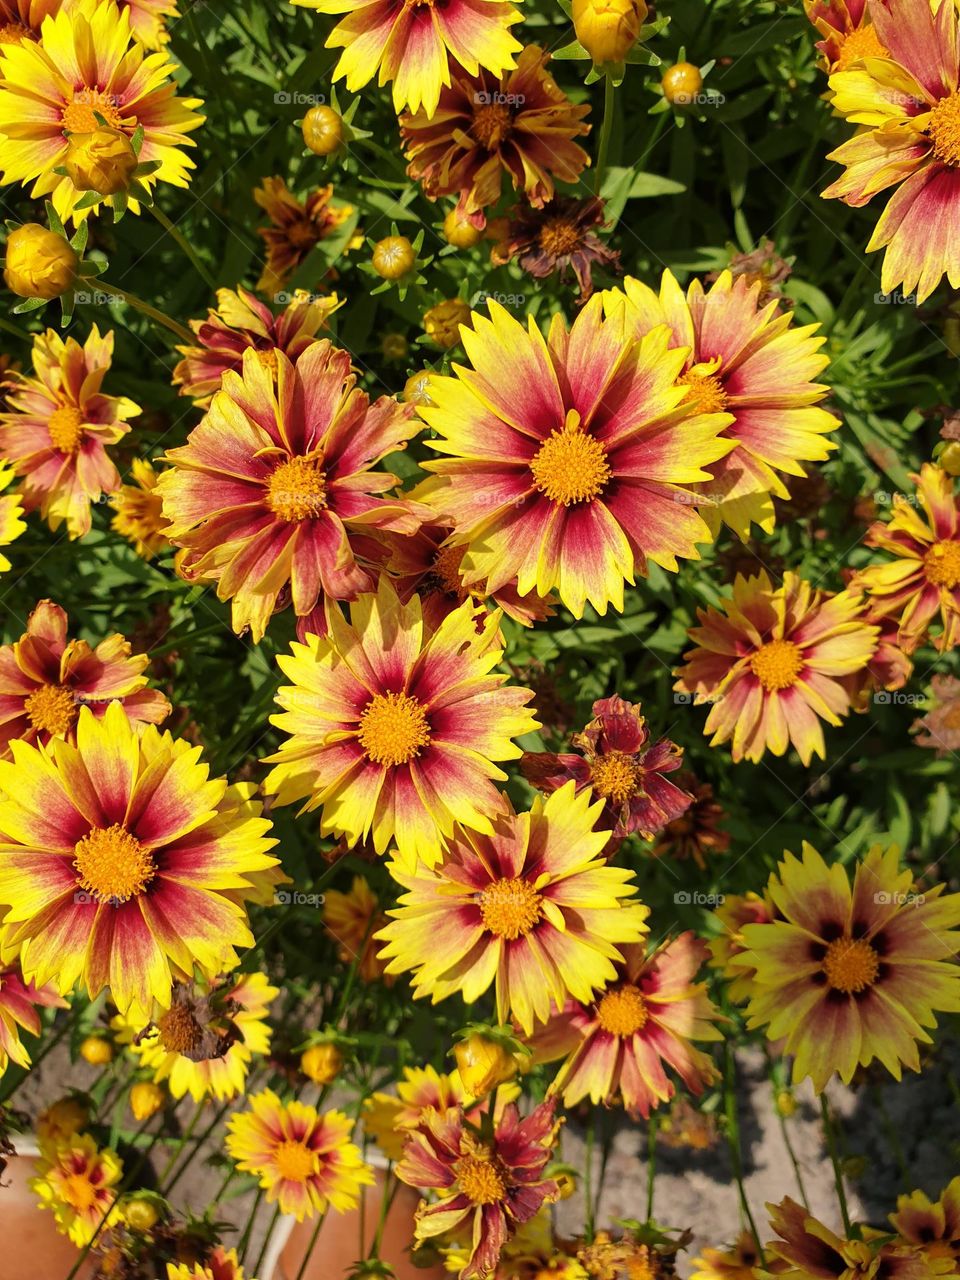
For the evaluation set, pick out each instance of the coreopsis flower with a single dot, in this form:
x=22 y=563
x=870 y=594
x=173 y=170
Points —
x=58 y=425
x=696 y=833
x=485 y=1187
x=571 y=457
x=139 y=511
x=87 y=64
x=931 y=1227
x=940 y=726
x=608 y=29
x=351 y=919
x=424 y=564
x=394 y=729
x=390 y=1118
x=557 y=238
x=305 y=1161
x=733 y=1262
x=849 y=975
x=642 y=1023
x=148 y=20
x=118 y=856
x=621 y=767
x=45 y=679
x=221 y=1264
x=63 y=1119
x=295 y=227
x=729 y=952
x=770 y=662
x=532 y=908
x=273 y=491
x=746 y=359
x=12 y=524
x=521 y=127
x=22 y=19
x=412 y=45
x=847 y=35
x=807 y=1249
x=20 y=1003
x=204 y=1043
x=39 y=263
x=241 y=321
x=921 y=584
x=78 y=1182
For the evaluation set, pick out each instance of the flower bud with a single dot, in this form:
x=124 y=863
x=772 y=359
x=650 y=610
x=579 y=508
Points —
x=393 y=257
x=97 y=1050
x=681 y=83
x=608 y=29
x=483 y=1064
x=140 y=1214
x=40 y=263
x=146 y=1099
x=322 y=130
x=786 y=1103
x=394 y=346
x=442 y=322
x=321 y=1063
x=949 y=459
x=415 y=389
x=103 y=161
x=460 y=232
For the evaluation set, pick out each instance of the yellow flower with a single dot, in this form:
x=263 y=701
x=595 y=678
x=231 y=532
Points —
x=139 y=510
x=483 y=1064
x=321 y=1063
x=40 y=263
x=102 y=160
x=97 y=1050
x=11 y=516
x=442 y=322
x=146 y=1099
x=608 y=29
x=77 y=1182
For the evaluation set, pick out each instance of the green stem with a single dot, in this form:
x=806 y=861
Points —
x=311 y=1246
x=733 y=1141
x=606 y=129
x=385 y=1202
x=168 y=1167
x=835 y=1161
x=245 y=1238
x=174 y=232
x=151 y=312
x=588 y=1178
x=266 y=1241
x=652 y=141
x=651 y=1163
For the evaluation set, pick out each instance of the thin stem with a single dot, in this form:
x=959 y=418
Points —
x=835 y=1161
x=266 y=1241
x=150 y=311
x=651 y=1163
x=173 y=231
x=733 y=1141
x=652 y=141
x=606 y=129
x=385 y=1202
x=312 y=1245
x=245 y=1238
x=588 y=1177
x=787 y=1141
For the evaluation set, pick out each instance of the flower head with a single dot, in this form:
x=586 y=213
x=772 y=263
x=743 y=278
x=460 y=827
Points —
x=932 y=1227
x=39 y=263
x=940 y=726
x=570 y=457
x=352 y=919
x=102 y=159
x=904 y=96
x=295 y=227
x=643 y=1022
x=389 y=1118
x=46 y=678
x=412 y=44
x=809 y=1250
x=735 y=1262
x=394 y=729
x=78 y=1182
x=221 y=1264
x=118 y=856
x=241 y=321
x=729 y=952
x=522 y=127
x=621 y=769
x=531 y=907
x=485 y=1187
x=559 y=238
x=87 y=64
x=139 y=511
x=921 y=584
x=274 y=490
x=22 y=19
x=771 y=663
x=744 y=358
x=58 y=425
x=847 y=35
x=851 y=974
x=305 y=1161
x=12 y=524
x=20 y=1003
x=148 y=20
x=696 y=833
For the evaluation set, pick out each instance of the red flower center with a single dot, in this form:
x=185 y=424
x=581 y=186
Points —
x=622 y=1012
x=942 y=564
x=615 y=776
x=510 y=908
x=51 y=709
x=112 y=865
x=571 y=466
x=481 y=1179
x=297 y=489
x=851 y=964
x=777 y=664
x=944 y=131
x=393 y=728
x=66 y=428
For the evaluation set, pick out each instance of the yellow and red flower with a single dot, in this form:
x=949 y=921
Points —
x=847 y=35
x=118 y=858
x=411 y=44
x=86 y=64
x=642 y=1023
x=148 y=20
x=559 y=237
x=922 y=583
x=485 y=1188
x=569 y=469
x=45 y=678
x=931 y=1227
x=58 y=424
x=729 y=952
x=852 y=974
x=305 y=1161
x=809 y=1250
x=394 y=729
x=746 y=359
x=735 y=1262
x=274 y=493
x=351 y=919
x=78 y=1183
x=522 y=127
x=531 y=907
x=22 y=19
x=221 y=1264
x=771 y=663
x=620 y=768
x=295 y=227
x=906 y=104
x=241 y=321
x=139 y=511
x=19 y=1005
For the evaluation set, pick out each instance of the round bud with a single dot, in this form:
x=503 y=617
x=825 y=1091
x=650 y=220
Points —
x=393 y=257
x=103 y=161
x=608 y=29
x=681 y=84
x=97 y=1050
x=40 y=263
x=460 y=232
x=321 y=1063
x=322 y=130
x=146 y=1099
